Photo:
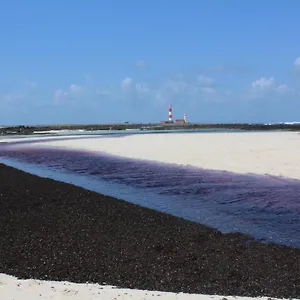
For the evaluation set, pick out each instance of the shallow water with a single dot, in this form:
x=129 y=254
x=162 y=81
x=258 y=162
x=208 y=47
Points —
x=265 y=207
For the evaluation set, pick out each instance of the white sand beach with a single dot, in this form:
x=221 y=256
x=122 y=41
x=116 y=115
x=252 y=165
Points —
x=12 y=288
x=273 y=153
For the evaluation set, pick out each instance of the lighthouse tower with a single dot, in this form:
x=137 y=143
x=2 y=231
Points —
x=185 y=118
x=170 y=113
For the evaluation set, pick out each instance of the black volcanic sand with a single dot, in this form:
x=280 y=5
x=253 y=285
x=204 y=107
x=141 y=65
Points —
x=57 y=231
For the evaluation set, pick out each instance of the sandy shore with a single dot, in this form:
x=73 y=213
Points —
x=13 y=288
x=273 y=153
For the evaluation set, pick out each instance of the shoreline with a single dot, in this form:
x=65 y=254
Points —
x=84 y=236
x=46 y=129
x=261 y=153
x=32 y=289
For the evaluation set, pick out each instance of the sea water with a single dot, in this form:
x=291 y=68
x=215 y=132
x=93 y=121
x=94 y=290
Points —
x=265 y=207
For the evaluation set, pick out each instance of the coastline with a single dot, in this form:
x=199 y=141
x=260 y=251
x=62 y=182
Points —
x=62 y=232
x=261 y=153
x=48 y=129
x=31 y=289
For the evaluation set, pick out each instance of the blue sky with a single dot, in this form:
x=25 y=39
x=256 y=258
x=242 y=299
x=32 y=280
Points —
x=95 y=61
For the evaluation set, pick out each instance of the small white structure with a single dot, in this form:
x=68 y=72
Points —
x=185 y=118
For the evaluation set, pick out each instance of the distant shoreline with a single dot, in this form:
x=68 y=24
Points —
x=50 y=129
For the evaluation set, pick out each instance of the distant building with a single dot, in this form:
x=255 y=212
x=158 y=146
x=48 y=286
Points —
x=185 y=118
x=170 y=118
x=170 y=114
x=181 y=121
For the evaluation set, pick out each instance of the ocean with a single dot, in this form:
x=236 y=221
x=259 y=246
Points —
x=265 y=207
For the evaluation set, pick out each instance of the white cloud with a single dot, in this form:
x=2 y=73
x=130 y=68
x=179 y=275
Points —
x=269 y=84
x=17 y=103
x=174 y=88
x=140 y=64
x=204 y=80
x=266 y=87
x=176 y=85
x=13 y=96
x=142 y=87
x=105 y=92
x=283 y=88
x=297 y=62
x=126 y=82
x=59 y=94
x=180 y=89
x=263 y=83
x=20 y=95
x=158 y=95
x=74 y=90
x=204 y=84
x=208 y=90
x=31 y=84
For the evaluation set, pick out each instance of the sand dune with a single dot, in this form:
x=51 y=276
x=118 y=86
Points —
x=273 y=153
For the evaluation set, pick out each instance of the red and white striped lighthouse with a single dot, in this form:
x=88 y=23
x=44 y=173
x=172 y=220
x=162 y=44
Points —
x=170 y=113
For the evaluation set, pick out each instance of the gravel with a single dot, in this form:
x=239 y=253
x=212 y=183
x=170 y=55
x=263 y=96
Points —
x=57 y=231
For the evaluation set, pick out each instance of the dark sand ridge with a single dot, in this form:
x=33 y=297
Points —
x=57 y=231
